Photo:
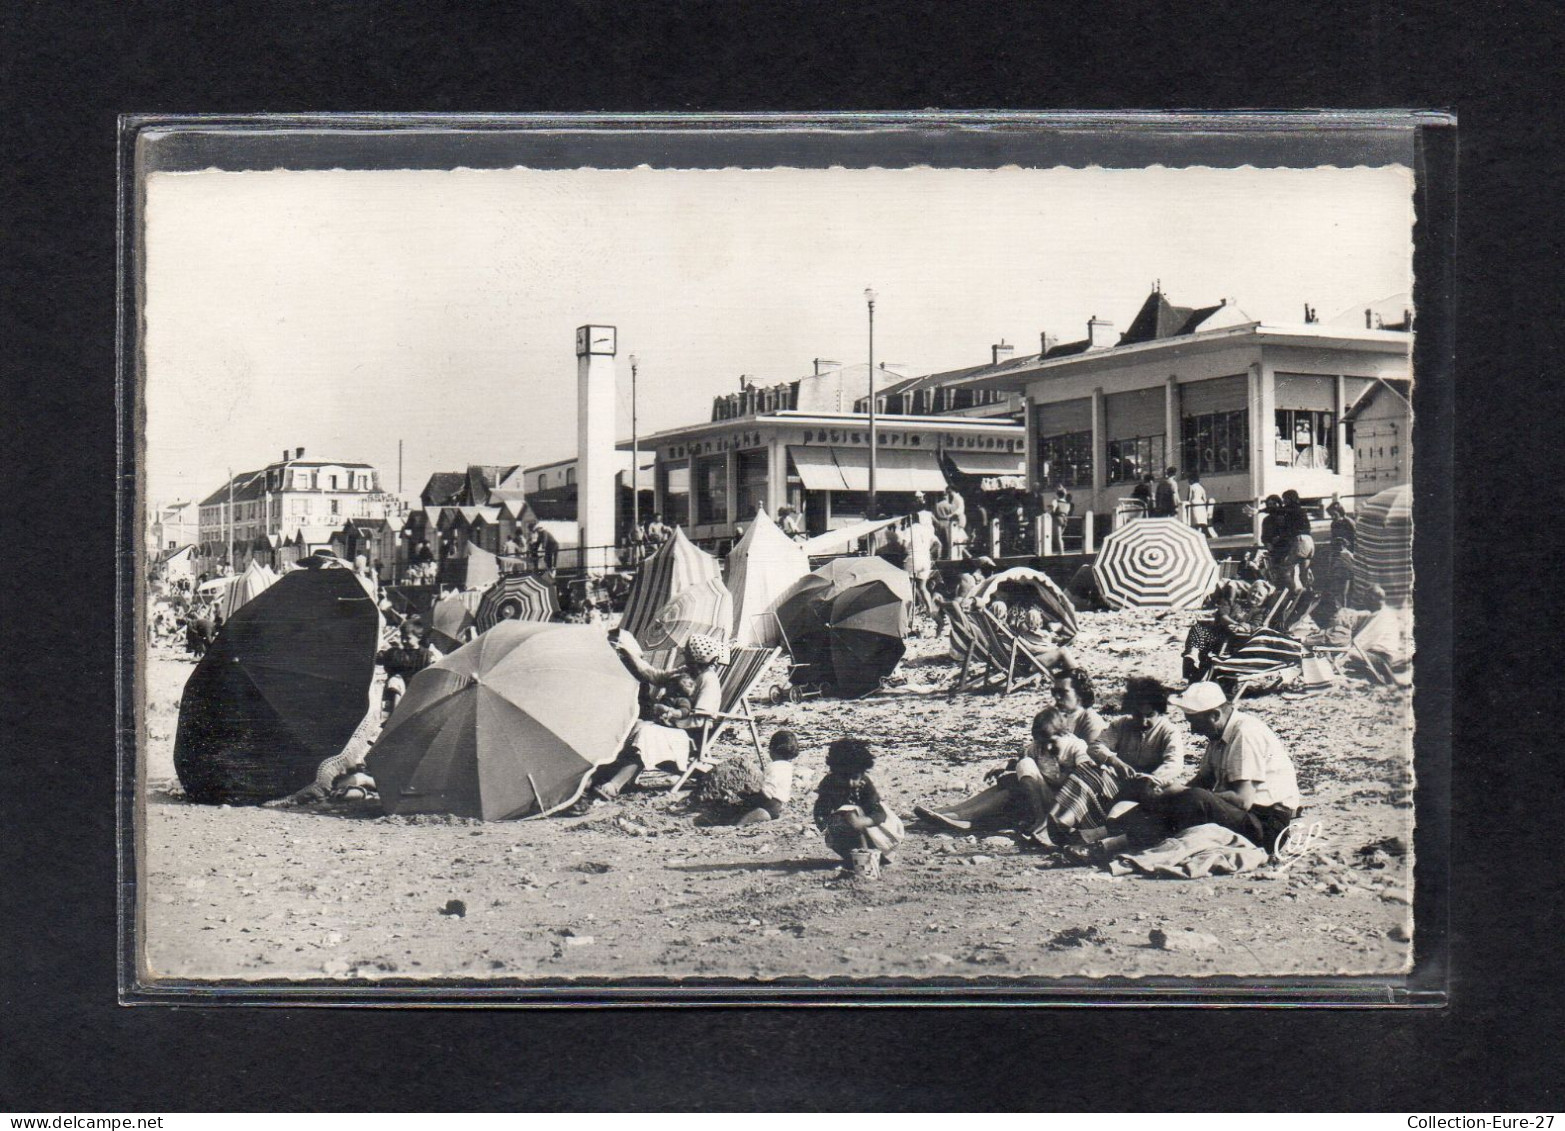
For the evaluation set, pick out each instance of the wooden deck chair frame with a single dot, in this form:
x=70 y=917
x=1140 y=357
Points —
x=735 y=709
x=1040 y=672
x=977 y=647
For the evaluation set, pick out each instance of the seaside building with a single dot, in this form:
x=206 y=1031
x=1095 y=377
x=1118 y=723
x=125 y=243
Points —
x=261 y=512
x=1256 y=408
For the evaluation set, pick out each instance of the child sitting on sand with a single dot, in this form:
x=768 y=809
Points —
x=676 y=701
x=848 y=808
x=767 y=803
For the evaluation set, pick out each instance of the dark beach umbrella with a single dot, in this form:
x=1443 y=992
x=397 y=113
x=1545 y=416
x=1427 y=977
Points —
x=451 y=616
x=284 y=686
x=846 y=622
x=509 y=725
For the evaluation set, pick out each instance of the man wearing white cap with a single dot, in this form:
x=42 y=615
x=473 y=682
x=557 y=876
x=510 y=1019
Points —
x=1246 y=782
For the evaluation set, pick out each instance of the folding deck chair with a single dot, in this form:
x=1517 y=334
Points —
x=1267 y=653
x=973 y=645
x=1017 y=653
x=746 y=666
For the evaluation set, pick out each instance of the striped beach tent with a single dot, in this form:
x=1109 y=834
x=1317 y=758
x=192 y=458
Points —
x=677 y=565
x=1383 y=550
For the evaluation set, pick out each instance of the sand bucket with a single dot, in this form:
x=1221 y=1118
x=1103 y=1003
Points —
x=866 y=863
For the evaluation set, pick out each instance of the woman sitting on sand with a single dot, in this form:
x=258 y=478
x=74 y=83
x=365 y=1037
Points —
x=668 y=736
x=1139 y=747
x=1021 y=792
x=1074 y=695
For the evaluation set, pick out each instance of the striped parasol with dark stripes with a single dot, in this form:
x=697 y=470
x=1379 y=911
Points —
x=1155 y=562
x=517 y=597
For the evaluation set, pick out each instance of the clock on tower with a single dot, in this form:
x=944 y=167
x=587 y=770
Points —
x=595 y=340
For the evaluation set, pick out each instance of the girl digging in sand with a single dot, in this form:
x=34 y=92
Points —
x=848 y=808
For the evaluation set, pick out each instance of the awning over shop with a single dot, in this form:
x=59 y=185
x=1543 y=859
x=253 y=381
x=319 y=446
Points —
x=988 y=463
x=847 y=469
x=818 y=469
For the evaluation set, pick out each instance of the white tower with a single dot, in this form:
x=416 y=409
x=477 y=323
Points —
x=595 y=463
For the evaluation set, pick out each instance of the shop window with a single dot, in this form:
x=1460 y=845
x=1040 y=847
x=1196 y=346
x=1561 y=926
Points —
x=752 y=471
x=1065 y=459
x=1129 y=460
x=1303 y=439
x=710 y=489
x=1217 y=442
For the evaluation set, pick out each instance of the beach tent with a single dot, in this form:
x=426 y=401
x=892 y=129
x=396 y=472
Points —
x=254 y=581
x=845 y=624
x=677 y=565
x=1383 y=545
x=284 y=686
x=498 y=728
x=762 y=567
x=1157 y=563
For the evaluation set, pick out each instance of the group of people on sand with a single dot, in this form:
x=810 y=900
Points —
x=1082 y=786
x=1090 y=788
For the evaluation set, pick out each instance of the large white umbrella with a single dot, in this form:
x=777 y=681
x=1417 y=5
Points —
x=761 y=569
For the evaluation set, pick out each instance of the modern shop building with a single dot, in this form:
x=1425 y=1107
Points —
x=1255 y=408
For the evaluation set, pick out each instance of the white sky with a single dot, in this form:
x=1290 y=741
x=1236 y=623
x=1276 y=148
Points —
x=341 y=311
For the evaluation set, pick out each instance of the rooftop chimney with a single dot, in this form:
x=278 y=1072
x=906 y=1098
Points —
x=823 y=364
x=1100 y=333
x=1369 y=319
x=298 y=453
x=1001 y=352
x=285 y=455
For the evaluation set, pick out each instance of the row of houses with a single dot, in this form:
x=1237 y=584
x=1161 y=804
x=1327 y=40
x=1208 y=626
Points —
x=1254 y=408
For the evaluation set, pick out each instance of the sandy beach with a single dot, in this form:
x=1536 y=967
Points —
x=635 y=891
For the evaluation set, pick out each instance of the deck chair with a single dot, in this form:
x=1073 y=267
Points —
x=746 y=665
x=973 y=646
x=1015 y=654
x=1266 y=655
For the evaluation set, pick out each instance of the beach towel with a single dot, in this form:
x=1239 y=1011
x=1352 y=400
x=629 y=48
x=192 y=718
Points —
x=1203 y=850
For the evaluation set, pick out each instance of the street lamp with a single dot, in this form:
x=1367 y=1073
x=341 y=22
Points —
x=635 y=456
x=869 y=297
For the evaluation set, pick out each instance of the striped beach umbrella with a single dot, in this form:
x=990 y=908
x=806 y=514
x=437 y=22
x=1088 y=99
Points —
x=1157 y=562
x=1383 y=545
x=677 y=565
x=704 y=608
x=517 y=598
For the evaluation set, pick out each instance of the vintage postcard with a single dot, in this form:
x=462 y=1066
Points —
x=564 y=571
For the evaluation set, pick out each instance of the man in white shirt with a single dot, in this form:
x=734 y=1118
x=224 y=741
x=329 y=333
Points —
x=1246 y=782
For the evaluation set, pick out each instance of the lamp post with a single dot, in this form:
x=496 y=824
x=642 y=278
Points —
x=635 y=457
x=870 y=510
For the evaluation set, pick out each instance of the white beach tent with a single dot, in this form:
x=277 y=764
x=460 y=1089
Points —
x=761 y=569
